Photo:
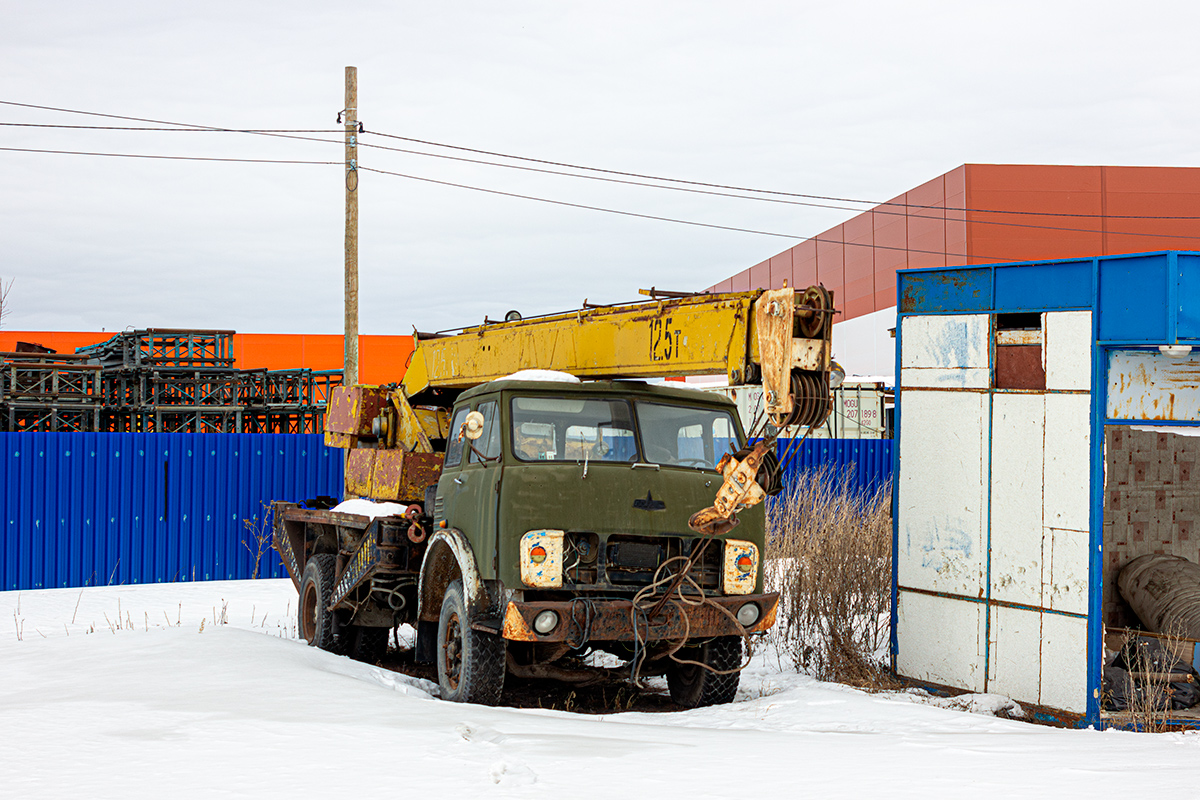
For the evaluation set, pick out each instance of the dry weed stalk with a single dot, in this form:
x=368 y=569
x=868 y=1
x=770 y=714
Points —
x=257 y=540
x=1150 y=671
x=829 y=556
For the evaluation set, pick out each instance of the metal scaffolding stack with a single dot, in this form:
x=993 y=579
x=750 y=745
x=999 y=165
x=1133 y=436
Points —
x=158 y=380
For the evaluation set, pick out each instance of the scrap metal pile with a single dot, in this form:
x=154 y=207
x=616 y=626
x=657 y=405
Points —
x=160 y=380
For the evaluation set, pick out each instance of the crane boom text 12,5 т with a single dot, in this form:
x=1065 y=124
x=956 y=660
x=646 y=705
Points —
x=547 y=514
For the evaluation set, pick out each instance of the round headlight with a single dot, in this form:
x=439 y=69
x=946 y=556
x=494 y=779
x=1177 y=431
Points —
x=548 y=621
x=748 y=614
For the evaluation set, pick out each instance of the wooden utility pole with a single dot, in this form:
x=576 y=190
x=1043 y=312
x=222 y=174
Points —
x=350 y=349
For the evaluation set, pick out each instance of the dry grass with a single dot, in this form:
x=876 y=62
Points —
x=829 y=555
x=1150 y=692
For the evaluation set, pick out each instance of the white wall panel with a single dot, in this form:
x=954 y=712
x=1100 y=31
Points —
x=941 y=640
x=1014 y=662
x=1067 y=576
x=1018 y=433
x=942 y=497
x=1067 y=500
x=1068 y=349
x=945 y=351
x=1064 y=662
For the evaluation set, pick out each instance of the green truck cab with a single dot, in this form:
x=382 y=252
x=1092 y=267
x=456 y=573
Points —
x=558 y=527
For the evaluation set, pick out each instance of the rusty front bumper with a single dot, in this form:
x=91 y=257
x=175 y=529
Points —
x=584 y=620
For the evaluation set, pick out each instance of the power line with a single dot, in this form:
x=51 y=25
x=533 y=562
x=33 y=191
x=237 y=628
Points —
x=620 y=212
x=173 y=130
x=687 y=185
x=603 y=178
x=829 y=198
x=166 y=158
x=176 y=125
x=773 y=191
x=808 y=204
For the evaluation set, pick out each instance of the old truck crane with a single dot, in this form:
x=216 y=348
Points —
x=544 y=515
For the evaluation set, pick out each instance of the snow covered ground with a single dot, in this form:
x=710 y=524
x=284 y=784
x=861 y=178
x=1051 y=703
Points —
x=131 y=692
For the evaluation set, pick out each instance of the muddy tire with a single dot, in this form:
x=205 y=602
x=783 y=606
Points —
x=470 y=663
x=317 y=625
x=693 y=686
x=365 y=644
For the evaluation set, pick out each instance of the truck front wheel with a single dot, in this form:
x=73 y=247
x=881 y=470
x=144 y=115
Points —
x=693 y=686
x=317 y=625
x=470 y=663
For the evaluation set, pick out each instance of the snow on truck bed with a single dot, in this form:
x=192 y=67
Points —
x=134 y=692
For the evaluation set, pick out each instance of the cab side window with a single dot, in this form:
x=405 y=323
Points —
x=454 y=445
x=488 y=442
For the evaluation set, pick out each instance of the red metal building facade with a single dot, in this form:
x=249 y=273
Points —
x=989 y=213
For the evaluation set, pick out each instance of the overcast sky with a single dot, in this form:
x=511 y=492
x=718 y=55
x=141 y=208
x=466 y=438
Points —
x=861 y=100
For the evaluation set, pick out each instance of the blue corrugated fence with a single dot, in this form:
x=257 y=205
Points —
x=861 y=465
x=86 y=509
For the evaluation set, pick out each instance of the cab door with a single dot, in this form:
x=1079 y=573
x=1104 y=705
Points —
x=470 y=485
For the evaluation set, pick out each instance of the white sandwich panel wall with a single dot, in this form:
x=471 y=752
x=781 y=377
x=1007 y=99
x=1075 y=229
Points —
x=1017 y=532
x=1064 y=662
x=942 y=640
x=949 y=352
x=942 y=500
x=1067 y=350
x=1067 y=586
x=1067 y=496
x=1014 y=654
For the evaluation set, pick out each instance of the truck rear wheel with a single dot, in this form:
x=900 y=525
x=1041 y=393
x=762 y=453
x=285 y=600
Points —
x=693 y=686
x=470 y=663
x=317 y=624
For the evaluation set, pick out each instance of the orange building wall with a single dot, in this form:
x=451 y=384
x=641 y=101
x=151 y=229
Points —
x=989 y=213
x=382 y=359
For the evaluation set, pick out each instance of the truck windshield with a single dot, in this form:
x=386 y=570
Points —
x=572 y=429
x=686 y=436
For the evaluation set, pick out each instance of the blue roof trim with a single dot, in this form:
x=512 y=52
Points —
x=1139 y=297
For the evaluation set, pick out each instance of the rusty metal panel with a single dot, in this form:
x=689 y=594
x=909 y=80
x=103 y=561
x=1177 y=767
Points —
x=941 y=640
x=1068 y=349
x=1064 y=662
x=359 y=464
x=1015 y=654
x=402 y=476
x=946 y=351
x=1146 y=384
x=1017 y=561
x=1067 y=496
x=1019 y=367
x=351 y=409
x=387 y=474
x=942 y=503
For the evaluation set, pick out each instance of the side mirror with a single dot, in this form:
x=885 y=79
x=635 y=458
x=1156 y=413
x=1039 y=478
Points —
x=472 y=427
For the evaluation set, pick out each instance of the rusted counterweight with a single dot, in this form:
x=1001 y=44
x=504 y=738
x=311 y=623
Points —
x=391 y=474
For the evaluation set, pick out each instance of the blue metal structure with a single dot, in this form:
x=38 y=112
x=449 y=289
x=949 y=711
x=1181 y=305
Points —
x=1138 y=302
x=86 y=509
x=862 y=466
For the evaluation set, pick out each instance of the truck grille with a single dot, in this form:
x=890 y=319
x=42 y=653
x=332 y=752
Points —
x=633 y=560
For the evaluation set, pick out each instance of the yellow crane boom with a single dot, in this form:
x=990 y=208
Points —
x=778 y=338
